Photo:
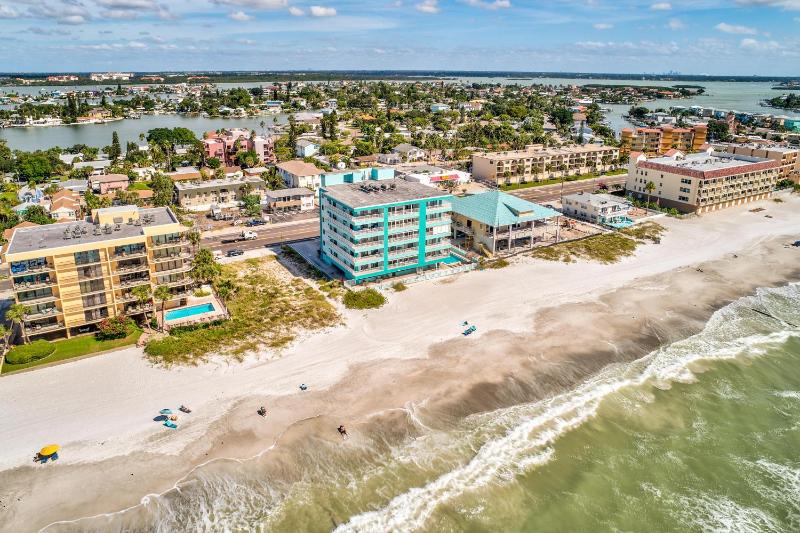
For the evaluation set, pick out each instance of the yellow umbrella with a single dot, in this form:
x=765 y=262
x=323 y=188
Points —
x=50 y=449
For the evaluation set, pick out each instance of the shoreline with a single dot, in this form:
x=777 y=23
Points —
x=651 y=292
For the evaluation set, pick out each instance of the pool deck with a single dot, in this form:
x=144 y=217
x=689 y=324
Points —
x=192 y=301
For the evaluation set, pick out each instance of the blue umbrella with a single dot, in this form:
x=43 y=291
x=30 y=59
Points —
x=166 y=411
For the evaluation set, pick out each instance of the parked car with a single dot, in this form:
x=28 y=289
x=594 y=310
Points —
x=255 y=222
x=234 y=253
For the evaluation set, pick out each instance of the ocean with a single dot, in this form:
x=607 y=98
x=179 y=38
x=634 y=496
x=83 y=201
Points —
x=699 y=435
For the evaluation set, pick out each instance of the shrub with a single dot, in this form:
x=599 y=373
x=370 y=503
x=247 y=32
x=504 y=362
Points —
x=364 y=299
x=199 y=293
x=154 y=323
x=113 y=328
x=399 y=286
x=34 y=351
x=499 y=263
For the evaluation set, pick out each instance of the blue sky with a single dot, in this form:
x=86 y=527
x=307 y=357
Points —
x=693 y=37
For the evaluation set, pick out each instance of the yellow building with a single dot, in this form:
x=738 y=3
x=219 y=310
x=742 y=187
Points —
x=656 y=141
x=71 y=276
x=537 y=163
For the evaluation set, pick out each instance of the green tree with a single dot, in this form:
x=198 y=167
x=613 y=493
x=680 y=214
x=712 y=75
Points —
x=194 y=238
x=162 y=294
x=16 y=314
x=4 y=333
x=162 y=190
x=252 y=205
x=272 y=179
x=94 y=201
x=6 y=157
x=143 y=295
x=37 y=215
x=214 y=163
x=205 y=268
x=650 y=187
x=247 y=158
x=33 y=166
x=115 y=150
x=225 y=288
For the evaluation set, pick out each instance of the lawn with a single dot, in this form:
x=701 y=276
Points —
x=76 y=347
x=139 y=186
x=567 y=179
x=268 y=308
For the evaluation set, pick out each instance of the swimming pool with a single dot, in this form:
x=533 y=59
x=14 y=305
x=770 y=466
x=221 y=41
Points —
x=451 y=260
x=185 y=312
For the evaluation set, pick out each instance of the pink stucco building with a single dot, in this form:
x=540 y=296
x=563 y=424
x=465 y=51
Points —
x=225 y=144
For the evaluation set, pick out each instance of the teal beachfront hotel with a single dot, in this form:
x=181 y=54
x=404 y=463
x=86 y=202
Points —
x=377 y=229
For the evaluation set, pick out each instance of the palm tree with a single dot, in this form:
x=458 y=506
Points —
x=4 y=332
x=650 y=187
x=162 y=294
x=142 y=293
x=225 y=289
x=16 y=314
x=205 y=268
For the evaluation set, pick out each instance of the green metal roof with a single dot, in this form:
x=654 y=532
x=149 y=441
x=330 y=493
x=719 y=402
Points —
x=496 y=208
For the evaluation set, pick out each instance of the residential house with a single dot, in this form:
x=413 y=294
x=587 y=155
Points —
x=282 y=200
x=655 y=141
x=306 y=148
x=97 y=167
x=109 y=183
x=390 y=159
x=222 y=193
x=439 y=108
x=434 y=176
x=297 y=173
x=409 y=152
x=227 y=143
x=602 y=209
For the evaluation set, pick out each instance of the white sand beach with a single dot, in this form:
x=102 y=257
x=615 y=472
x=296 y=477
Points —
x=103 y=407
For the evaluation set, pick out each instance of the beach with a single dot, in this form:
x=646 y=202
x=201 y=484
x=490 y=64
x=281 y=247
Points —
x=389 y=375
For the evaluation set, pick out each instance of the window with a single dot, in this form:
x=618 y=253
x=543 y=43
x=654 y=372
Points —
x=686 y=181
x=90 y=256
x=683 y=198
x=686 y=189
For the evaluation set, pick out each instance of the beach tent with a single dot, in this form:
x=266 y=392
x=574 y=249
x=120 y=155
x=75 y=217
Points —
x=49 y=450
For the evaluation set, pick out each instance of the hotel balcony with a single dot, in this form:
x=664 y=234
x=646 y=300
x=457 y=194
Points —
x=402 y=228
x=39 y=299
x=129 y=255
x=39 y=329
x=134 y=282
x=170 y=243
x=132 y=268
x=184 y=267
x=31 y=285
x=27 y=269
x=178 y=282
x=446 y=207
x=401 y=254
x=183 y=254
x=404 y=215
x=45 y=313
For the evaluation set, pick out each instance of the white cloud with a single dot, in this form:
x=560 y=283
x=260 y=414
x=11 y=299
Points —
x=793 y=5
x=296 y=11
x=661 y=6
x=675 y=24
x=724 y=27
x=255 y=4
x=119 y=14
x=759 y=46
x=136 y=45
x=240 y=16
x=428 y=6
x=248 y=42
x=322 y=11
x=485 y=4
x=602 y=26
x=7 y=12
x=128 y=4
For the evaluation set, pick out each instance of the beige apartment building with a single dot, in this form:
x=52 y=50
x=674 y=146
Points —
x=788 y=157
x=223 y=193
x=71 y=276
x=537 y=163
x=655 y=141
x=698 y=183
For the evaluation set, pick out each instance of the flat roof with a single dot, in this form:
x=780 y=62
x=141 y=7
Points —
x=551 y=151
x=210 y=184
x=596 y=200
x=713 y=165
x=371 y=193
x=52 y=236
x=282 y=193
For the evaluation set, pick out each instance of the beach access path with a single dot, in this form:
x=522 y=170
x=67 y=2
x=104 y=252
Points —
x=102 y=407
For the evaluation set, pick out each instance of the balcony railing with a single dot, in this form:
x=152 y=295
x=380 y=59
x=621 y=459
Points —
x=27 y=268
x=40 y=329
x=185 y=267
x=51 y=311
x=171 y=257
x=39 y=299
x=178 y=282
x=30 y=285
x=174 y=242
x=129 y=255
x=132 y=268
x=134 y=282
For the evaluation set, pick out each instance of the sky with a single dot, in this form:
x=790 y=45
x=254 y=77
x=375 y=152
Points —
x=741 y=37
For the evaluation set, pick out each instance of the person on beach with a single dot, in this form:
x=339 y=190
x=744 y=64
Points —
x=342 y=431
x=262 y=411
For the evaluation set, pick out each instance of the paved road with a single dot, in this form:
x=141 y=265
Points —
x=551 y=193
x=267 y=235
